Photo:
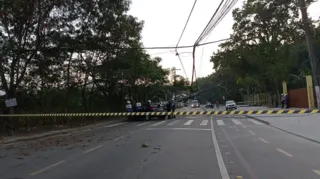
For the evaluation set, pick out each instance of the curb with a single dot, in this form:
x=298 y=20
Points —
x=57 y=133
x=283 y=130
x=257 y=119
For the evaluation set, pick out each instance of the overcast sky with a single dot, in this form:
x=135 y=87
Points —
x=165 y=19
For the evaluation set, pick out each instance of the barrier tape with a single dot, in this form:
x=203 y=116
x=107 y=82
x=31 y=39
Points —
x=186 y=113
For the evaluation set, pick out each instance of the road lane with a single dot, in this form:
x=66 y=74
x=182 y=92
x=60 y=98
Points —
x=171 y=149
x=19 y=159
x=260 y=151
x=131 y=152
x=304 y=151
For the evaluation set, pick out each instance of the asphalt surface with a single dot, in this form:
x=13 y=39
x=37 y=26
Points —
x=183 y=148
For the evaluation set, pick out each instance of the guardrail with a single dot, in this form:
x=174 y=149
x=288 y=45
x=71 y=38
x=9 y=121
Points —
x=185 y=113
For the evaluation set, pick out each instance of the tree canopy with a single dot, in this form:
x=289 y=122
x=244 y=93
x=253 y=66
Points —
x=75 y=55
x=266 y=47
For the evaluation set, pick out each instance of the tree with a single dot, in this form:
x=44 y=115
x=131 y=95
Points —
x=79 y=55
x=259 y=51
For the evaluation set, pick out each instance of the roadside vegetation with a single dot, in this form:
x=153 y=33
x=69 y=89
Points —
x=266 y=47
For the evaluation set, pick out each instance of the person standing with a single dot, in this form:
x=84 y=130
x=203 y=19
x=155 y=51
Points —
x=129 y=107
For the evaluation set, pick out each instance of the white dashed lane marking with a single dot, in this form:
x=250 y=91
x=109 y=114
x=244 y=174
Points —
x=237 y=122
x=204 y=123
x=255 y=122
x=220 y=122
x=284 y=152
x=173 y=123
x=156 y=124
x=142 y=124
x=188 y=123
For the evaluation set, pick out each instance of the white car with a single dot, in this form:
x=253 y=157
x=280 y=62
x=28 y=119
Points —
x=231 y=105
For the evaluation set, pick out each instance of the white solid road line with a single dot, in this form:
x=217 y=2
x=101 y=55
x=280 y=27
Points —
x=263 y=140
x=220 y=122
x=284 y=152
x=173 y=123
x=117 y=124
x=252 y=132
x=141 y=124
x=187 y=129
x=156 y=124
x=204 y=123
x=316 y=171
x=222 y=166
x=47 y=168
x=255 y=122
x=90 y=150
x=237 y=122
x=188 y=123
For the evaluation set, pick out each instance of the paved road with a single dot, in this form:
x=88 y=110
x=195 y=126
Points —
x=184 y=148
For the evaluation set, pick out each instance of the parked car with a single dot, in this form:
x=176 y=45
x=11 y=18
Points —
x=195 y=105
x=209 y=105
x=156 y=107
x=231 y=105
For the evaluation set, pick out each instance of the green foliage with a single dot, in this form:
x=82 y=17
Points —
x=266 y=47
x=75 y=56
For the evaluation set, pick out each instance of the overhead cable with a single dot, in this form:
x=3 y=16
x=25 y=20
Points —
x=77 y=49
x=184 y=28
x=216 y=18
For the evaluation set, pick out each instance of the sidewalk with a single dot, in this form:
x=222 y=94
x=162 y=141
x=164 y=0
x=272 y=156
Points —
x=12 y=139
x=302 y=125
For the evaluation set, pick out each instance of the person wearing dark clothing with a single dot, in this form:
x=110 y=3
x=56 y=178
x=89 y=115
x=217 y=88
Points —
x=169 y=108
x=283 y=100
x=173 y=109
x=287 y=101
x=148 y=106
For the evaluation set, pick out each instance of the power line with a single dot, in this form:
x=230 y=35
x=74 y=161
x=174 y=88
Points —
x=216 y=18
x=184 y=70
x=76 y=49
x=198 y=40
x=184 y=28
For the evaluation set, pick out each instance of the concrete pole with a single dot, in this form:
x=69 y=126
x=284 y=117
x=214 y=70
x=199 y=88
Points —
x=312 y=55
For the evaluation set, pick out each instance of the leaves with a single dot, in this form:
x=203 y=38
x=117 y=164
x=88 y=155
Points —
x=266 y=47
x=75 y=55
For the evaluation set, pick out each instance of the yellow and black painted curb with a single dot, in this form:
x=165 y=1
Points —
x=186 y=113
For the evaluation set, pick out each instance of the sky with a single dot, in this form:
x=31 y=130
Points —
x=163 y=24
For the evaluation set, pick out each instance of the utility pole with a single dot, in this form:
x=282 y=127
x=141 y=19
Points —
x=315 y=66
x=174 y=74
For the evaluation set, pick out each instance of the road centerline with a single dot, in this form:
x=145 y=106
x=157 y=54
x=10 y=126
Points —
x=252 y=132
x=92 y=149
x=47 y=168
x=263 y=140
x=316 y=171
x=222 y=166
x=284 y=152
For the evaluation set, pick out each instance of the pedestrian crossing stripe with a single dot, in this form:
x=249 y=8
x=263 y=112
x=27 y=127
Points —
x=185 y=113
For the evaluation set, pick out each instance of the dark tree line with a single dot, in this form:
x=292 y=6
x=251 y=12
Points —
x=266 y=47
x=75 y=56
